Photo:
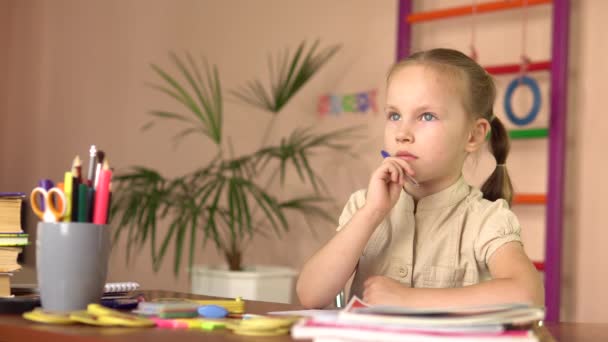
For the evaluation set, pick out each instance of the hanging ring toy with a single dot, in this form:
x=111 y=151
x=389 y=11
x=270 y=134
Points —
x=531 y=83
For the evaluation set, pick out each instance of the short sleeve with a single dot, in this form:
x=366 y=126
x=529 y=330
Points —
x=498 y=228
x=355 y=202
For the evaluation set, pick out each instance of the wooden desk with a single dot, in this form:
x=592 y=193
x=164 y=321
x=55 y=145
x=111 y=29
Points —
x=15 y=328
x=578 y=332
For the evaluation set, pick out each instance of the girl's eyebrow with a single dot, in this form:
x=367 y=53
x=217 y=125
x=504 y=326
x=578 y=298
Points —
x=417 y=109
x=391 y=107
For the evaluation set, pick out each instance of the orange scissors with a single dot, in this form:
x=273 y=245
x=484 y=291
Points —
x=54 y=206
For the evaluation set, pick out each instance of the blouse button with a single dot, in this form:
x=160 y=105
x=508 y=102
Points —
x=403 y=271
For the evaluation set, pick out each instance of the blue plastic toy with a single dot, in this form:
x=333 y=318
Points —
x=212 y=311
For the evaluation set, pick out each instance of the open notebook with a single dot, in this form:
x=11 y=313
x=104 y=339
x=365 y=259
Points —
x=503 y=314
x=362 y=322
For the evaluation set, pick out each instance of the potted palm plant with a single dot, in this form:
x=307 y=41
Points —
x=226 y=201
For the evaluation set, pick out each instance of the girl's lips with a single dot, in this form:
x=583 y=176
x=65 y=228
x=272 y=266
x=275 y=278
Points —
x=406 y=156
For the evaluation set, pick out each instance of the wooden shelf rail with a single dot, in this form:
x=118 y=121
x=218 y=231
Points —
x=528 y=133
x=515 y=68
x=530 y=199
x=468 y=10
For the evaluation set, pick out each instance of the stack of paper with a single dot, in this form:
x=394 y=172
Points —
x=11 y=238
x=11 y=204
x=361 y=322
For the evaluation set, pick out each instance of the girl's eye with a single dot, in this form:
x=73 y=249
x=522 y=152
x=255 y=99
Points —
x=428 y=117
x=394 y=116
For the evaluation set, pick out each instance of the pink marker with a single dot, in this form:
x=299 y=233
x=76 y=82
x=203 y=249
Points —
x=102 y=197
x=169 y=323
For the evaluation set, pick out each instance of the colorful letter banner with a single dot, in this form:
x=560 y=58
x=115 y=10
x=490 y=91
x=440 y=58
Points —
x=352 y=103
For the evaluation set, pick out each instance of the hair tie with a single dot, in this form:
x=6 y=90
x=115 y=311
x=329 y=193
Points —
x=501 y=165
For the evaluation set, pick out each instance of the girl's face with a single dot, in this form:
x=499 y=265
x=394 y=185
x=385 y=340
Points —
x=427 y=124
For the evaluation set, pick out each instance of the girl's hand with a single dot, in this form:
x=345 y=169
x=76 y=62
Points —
x=386 y=183
x=381 y=290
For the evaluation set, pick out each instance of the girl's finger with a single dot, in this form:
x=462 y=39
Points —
x=399 y=172
x=406 y=168
x=395 y=172
x=404 y=165
x=383 y=172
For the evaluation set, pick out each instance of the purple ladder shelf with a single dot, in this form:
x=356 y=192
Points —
x=557 y=139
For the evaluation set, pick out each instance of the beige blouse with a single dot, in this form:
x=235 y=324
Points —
x=446 y=242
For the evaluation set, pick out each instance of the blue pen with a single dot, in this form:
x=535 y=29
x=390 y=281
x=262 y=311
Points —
x=412 y=180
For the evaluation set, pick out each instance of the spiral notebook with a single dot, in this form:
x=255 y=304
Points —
x=111 y=288
x=108 y=289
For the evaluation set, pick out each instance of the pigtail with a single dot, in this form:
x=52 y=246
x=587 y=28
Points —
x=498 y=185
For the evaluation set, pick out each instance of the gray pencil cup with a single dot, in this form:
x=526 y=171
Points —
x=71 y=264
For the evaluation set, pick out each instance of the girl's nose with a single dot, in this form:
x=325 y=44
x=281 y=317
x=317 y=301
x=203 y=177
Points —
x=404 y=136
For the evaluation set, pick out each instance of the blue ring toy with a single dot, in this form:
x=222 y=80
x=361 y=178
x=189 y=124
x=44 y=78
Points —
x=531 y=83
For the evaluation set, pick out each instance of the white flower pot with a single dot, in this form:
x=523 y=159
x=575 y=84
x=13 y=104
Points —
x=263 y=283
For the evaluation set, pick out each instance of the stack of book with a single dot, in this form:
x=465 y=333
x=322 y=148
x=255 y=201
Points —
x=362 y=322
x=12 y=238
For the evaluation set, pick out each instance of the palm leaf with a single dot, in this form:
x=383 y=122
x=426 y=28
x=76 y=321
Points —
x=179 y=243
x=193 y=229
x=163 y=248
x=203 y=101
x=287 y=77
x=308 y=206
x=302 y=143
x=177 y=91
x=170 y=115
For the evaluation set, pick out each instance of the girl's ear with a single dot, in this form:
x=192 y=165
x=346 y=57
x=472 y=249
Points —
x=477 y=135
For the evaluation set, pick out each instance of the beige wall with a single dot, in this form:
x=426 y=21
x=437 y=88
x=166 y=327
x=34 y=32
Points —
x=4 y=25
x=585 y=227
x=76 y=72
x=22 y=42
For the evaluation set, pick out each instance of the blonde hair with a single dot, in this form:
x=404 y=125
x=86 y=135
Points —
x=478 y=101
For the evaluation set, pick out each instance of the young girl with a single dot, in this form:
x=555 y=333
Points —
x=420 y=235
